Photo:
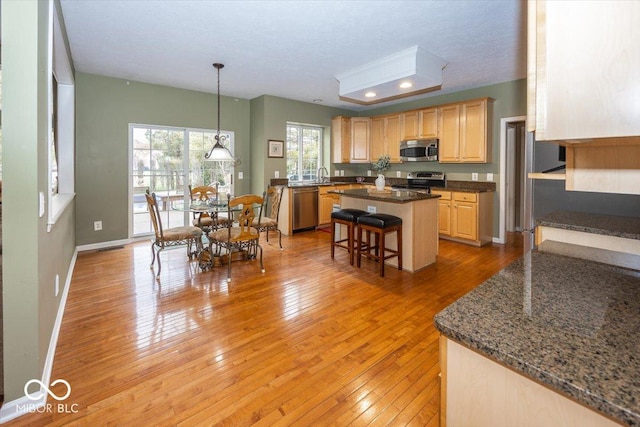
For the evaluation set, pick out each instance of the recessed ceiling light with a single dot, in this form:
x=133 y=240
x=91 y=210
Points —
x=370 y=94
x=406 y=85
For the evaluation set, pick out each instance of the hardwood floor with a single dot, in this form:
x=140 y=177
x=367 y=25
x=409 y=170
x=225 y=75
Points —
x=313 y=341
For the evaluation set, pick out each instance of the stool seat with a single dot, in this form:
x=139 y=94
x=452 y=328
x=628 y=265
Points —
x=350 y=215
x=379 y=220
x=349 y=218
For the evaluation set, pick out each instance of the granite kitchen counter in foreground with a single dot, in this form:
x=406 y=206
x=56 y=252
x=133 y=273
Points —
x=570 y=324
x=390 y=196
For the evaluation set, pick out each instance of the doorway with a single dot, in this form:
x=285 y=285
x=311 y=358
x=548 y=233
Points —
x=512 y=175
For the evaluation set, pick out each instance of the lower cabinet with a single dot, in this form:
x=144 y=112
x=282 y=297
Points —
x=326 y=201
x=465 y=217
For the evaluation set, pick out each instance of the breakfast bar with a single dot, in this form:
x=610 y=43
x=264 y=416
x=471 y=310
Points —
x=419 y=214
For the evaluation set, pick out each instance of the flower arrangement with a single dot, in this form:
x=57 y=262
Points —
x=383 y=164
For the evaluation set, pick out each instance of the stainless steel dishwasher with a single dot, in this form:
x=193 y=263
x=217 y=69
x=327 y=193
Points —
x=305 y=208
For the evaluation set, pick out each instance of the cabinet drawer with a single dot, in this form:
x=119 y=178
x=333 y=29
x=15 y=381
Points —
x=465 y=197
x=444 y=195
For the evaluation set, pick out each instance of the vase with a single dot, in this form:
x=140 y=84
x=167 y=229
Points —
x=380 y=182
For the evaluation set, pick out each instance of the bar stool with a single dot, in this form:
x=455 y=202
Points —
x=380 y=224
x=348 y=217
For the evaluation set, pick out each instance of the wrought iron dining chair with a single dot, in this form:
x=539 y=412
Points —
x=205 y=220
x=270 y=222
x=174 y=236
x=240 y=237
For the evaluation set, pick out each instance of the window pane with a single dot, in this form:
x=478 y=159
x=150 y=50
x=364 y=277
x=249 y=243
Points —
x=303 y=152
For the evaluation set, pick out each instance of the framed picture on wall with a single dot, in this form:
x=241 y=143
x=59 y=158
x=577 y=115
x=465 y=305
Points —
x=276 y=148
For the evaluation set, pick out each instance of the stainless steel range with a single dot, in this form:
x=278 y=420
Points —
x=423 y=181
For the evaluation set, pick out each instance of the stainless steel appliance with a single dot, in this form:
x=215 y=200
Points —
x=305 y=208
x=423 y=181
x=419 y=150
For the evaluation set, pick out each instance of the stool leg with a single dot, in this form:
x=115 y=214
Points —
x=350 y=230
x=399 y=248
x=358 y=246
x=380 y=251
x=333 y=238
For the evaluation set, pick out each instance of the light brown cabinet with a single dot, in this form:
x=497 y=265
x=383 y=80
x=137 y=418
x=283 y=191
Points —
x=418 y=124
x=385 y=137
x=465 y=217
x=587 y=85
x=465 y=132
x=360 y=139
x=326 y=201
x=340 y=139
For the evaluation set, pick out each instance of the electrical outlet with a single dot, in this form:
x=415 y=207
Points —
x=398 y=174
x=368 y=173
x=97 y=225
x=276 y=174
x=474 y=176
x=240 y=175
x=489 y=177
x=371 y=209
x=341 y=172
x=336 y=172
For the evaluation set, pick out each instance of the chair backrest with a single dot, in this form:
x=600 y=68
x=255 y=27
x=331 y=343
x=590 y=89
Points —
x=246 y=214
x=274 y=195
x=203 y=193
x=152 y=202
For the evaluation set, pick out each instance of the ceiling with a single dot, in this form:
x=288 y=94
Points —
x=292 y=49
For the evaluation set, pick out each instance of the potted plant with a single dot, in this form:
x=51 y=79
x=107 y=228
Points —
x=382 y=165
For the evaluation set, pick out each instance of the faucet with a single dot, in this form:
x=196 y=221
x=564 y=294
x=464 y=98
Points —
x=322 y=177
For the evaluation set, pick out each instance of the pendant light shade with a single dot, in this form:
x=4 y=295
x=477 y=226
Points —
x=219 y=152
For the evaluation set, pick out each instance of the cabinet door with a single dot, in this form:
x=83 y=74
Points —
x=449 y=120
x=429 y=123
x=360 y=139
x=473 y=132
x=410 y=125
x=465 y=220
x=392 y=127
x=325 y=204
x=444 y=217
x=576 y=96
x=340 y=137
x=376 y=148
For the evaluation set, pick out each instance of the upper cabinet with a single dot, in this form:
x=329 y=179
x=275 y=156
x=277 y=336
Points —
x=465 y=132
x=583 y=70
x=386 y=137
x=340 y=139
x=360 y=139
x=418 y=124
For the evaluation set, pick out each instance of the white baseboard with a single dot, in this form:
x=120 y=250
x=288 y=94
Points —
x=25 y=405
x=102 y=245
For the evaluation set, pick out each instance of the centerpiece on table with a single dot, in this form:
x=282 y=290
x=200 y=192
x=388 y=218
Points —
x=382 y=165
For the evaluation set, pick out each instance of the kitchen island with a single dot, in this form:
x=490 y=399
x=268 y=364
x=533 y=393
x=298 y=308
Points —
x=419 y=213
x=550 y=340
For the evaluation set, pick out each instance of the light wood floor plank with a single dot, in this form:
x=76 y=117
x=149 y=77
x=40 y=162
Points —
x=313 y=341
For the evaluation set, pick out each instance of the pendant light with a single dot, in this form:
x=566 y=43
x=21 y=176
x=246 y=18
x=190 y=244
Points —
x=219 y=152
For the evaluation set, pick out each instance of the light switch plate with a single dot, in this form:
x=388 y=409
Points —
x=276 y=174
x=341 y=172
x=398 y=174
x=368 y=173
x=336 y=172
x=240 y=175
x=489 y=177
x=371 y=209
x=474 y=176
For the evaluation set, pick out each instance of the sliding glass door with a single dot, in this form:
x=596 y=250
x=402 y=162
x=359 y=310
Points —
x=166 y=161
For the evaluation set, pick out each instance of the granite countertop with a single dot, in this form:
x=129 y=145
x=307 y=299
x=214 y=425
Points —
x=392 y=196
x=608 y=225
x=574 y=326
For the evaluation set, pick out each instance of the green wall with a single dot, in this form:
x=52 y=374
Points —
x=32 y=256
x=105 y=107
x=269 y=117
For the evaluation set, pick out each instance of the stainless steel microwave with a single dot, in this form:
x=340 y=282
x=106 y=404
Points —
x=419 y=150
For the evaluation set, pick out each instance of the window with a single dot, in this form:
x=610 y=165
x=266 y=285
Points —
x=304 y=151
x=61 y=158
x=166 y=161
